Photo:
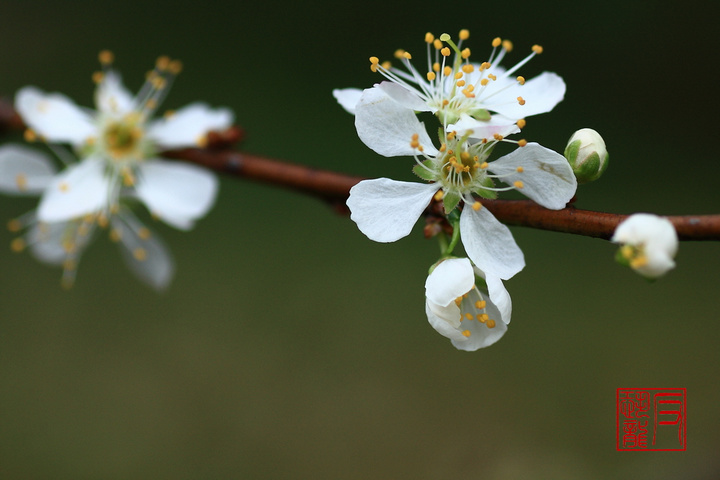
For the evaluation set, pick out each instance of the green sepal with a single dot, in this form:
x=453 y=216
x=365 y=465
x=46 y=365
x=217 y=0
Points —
x=450 y=201
x=483 y=192
x=428 y=173
x=621 y=259
x=572 y=150
x=480 y=114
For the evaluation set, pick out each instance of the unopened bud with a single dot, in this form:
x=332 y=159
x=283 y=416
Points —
x=587 y=155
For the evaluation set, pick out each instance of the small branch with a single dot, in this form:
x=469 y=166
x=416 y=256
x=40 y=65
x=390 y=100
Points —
x=334 y=188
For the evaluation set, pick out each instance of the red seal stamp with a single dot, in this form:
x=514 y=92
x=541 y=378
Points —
x=651 y=419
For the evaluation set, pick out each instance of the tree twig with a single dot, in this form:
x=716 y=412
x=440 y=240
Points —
x=334 y=188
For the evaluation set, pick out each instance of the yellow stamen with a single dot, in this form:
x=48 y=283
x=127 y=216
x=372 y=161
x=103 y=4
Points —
x=17 y=245
x=520 y=169
x=29 y=135
x=518 y=184
x=521 y=80
x=140 y=254
x=429 y=37
x=522 y=142
x=537 y=49
x=106 y=57
x=476 y=206
x=445 y=52
x=464 y=34
x=521 y=100
x=490 y=323
x=14 y=225
x=430 y=76
x=466 y=333
x=507 y=45
x=465 y=54
x=439 y=195
x=496 y=42
x=480 y=304
x=521 y=123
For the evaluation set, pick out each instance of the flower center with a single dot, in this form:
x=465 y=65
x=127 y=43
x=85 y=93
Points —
x=124 y=138
x=634 y=255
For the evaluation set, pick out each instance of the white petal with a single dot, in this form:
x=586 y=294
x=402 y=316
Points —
x=49 y=242
x=498 y=294
x=449 y=329
x=24 y=171
x=497 y=124
x=178 y=193
x=347 y=98
x=385 y=210
x=111 y=96
x=189 y=125
x=449 y=280
x=78 y=190
x=547 y=177
x=143 y=251
x=54 y=116
x=541 y=94
x=387 y=127
x=489 y=243
x=407 y=98
x=480 y=335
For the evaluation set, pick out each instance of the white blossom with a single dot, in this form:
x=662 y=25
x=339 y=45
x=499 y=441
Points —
x=648 y=244
x=458 y=310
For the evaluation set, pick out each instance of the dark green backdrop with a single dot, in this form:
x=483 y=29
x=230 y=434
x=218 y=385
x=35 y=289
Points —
x=289 y=346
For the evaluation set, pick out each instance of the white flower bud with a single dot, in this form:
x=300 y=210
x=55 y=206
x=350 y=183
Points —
x=649 y=244
x=587 y=155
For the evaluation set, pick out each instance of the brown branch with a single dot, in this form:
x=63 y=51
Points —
x=334 y=188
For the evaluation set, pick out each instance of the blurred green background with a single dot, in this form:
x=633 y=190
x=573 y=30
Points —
x=289 y=345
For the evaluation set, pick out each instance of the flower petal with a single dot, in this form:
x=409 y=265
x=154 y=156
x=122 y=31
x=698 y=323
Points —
x=481 y=335
x=546 y=176
x=449 y=280
x=111 y=96
x=489 y=243
x=54 y=116
x=78 y=190
x=405 y=97
x=497 y=124
x=440 y=321
x=178 y=193
x=385 y=210
x=387 y=127
x=657 y=238
x=24 y=171
x=541 y=94
x=347 y=98
x=498 y=294
x=189 y=125
x=143 y=251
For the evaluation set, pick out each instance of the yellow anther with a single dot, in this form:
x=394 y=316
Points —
x=115 y=235
x=521 y=80
x=639 y=261
x=498 y=137
x=430 y=76
x=17 y=245
x=374 y=60
x=465 y=54
x=480 y=304
x=439 y=195
x=521 y=100
x=521 y=143
x=469 y=316
x=445 y=52
x=399 y=53
x=468 y=68
x=460 y=83
x=451 y=136
x=106 y=57
x=507 y=45
x=466 y=333
x=407 y=56
x=63 y=187
x=14 y=225
x=485 y=65
x=520 y=169
x=484 y=165
x=98 y=77
x=102 y=220
x=465 y=157
x=447 y=71
x=458 y=301
x=458 y=75
x=476 y=206
x=437 y=44
x=443 y=147
x=429 y=37
x=464 y=34
x=537 y=49
x=496 y=41
x=140 y=254
x=144 y=233
x=518 y=184
x=21 y=181
x=436 y=67
x=481 y=317
x=465 y=295
x=490 y=323
x=386 y=65
x=627 y=251
x=492 y=77
x=162 y=62
x=484 y=82
x=68 y=246
x=169 y=114
x=175 y=67
x=521 y=123
x=29 y=135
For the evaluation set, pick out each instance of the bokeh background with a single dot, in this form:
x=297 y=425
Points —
x=289 y=346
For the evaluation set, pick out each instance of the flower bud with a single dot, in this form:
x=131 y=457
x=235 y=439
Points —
x=587 y=155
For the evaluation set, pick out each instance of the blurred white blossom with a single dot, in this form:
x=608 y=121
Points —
x=648 y=244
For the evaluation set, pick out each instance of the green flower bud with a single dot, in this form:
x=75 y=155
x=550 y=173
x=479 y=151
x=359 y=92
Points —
x=587 y=155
